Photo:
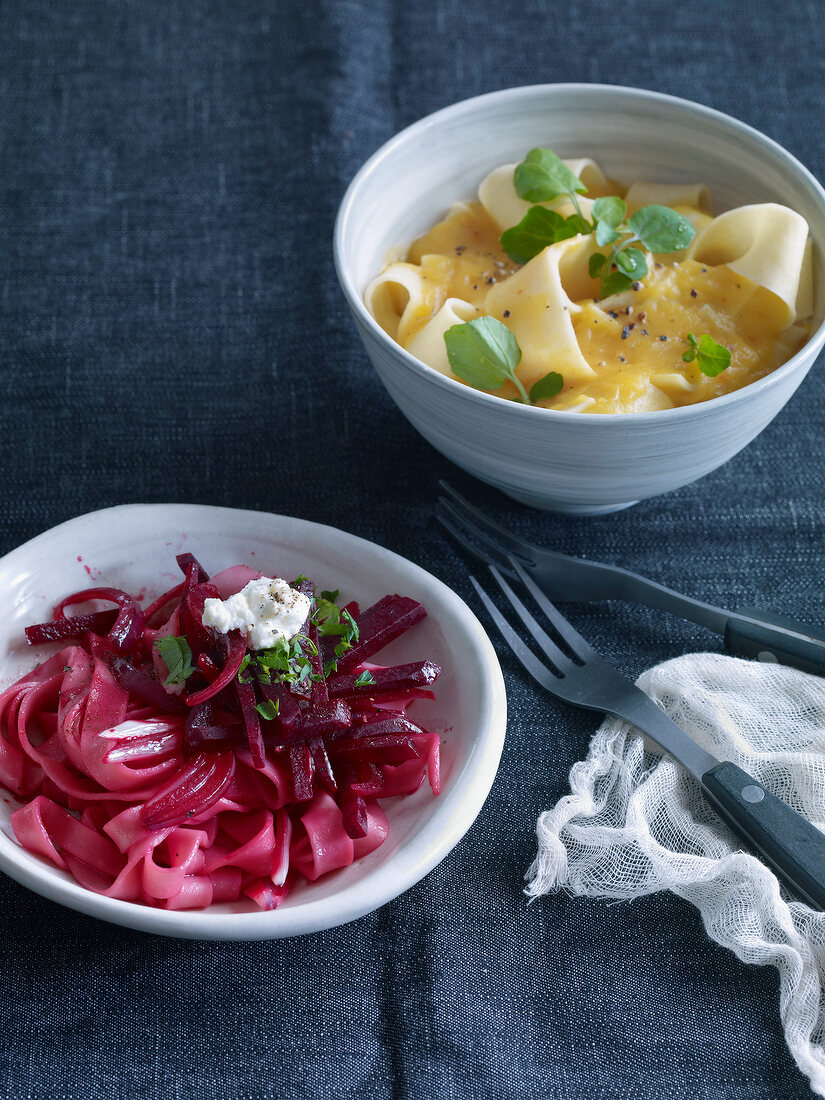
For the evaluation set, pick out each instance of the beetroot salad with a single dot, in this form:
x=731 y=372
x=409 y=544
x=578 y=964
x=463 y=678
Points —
x=229 y=741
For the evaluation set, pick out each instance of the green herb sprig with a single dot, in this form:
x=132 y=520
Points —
x=711 y=358
x=543 y=176
x=656 y=228
x=177 y=656
x=485 y=353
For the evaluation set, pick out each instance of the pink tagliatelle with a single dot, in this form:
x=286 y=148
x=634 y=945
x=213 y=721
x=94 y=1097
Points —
x=233 y=773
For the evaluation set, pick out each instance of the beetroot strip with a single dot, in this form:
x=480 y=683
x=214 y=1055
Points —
x=100 y=622
x=252 y=726
x=393 y=678
x=354 y=813
x=379 y=625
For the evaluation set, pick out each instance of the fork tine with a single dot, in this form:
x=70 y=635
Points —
x=561 y=661
x=576 y=642
x=507 y=543
x=449 y=518
x=529 y=661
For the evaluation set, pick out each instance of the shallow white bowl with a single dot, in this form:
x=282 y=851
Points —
x=576 y=463
x=134 y=547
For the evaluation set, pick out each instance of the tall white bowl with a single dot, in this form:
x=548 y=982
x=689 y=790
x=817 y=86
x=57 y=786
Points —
x=576 y=463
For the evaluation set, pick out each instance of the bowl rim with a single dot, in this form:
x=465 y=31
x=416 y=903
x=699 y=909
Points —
x=804 y=357
x=425 y=850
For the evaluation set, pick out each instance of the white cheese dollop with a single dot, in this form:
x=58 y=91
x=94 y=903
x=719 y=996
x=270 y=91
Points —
x=265 y=611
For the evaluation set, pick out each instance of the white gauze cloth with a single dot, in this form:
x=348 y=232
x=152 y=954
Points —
x=635 y=822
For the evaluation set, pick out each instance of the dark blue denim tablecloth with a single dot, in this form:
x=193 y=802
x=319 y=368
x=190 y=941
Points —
x=170 y=174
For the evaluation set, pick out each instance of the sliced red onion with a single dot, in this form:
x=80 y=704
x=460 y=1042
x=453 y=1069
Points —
x=189 y=563
x=58 y=630
x=160 y=604
x=143 y=740
x=128 y=625
x=195 y=788
x=234 y=645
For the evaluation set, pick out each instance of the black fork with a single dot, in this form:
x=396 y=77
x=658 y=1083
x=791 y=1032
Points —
x=748 y=632
x=793 y=847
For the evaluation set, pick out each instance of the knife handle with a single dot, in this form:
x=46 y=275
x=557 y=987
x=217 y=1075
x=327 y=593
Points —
x=781 y=638
x=793 y=847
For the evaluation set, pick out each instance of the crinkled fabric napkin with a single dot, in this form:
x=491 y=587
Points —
x=635 y=822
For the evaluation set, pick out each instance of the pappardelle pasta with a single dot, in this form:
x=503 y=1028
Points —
x=561 y=288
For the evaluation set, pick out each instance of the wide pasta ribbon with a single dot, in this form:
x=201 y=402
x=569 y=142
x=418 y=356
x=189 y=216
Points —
x=766 y=244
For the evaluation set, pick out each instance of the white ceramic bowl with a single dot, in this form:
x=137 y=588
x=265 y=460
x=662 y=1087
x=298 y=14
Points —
x=134 y=547
x=561 y=461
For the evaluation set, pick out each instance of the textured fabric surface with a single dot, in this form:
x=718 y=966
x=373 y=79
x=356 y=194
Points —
x=172 y=331
x=635 y=822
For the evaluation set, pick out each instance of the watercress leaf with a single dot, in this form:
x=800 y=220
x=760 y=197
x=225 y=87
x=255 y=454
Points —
x=365 y=678
x=606 y=234
x=632 y=262
x=690 y=354
x=711 y=358
x=177 y=656
x=330 y=597
x=268 y=709
x=483 y=352
x=542 y=176
x=615 y=283
x=575 y=224
x=597 y=262
x=661 y=229
x=537 y=229
x=610 y=210
x=548 y=386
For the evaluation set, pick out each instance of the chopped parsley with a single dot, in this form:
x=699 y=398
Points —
x=268 y=709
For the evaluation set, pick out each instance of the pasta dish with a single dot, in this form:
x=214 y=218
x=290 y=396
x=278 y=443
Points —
x=595 y=301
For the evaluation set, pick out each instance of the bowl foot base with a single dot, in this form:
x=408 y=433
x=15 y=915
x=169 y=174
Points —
x=564 y=508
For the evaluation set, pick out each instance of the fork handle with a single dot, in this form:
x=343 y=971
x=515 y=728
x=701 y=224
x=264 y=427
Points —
x=793 y=847
x=753 y=633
